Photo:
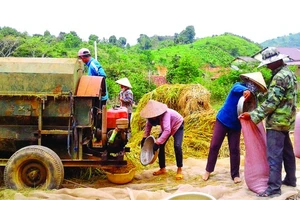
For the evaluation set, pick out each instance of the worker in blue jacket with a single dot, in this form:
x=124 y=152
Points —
x=94 y=68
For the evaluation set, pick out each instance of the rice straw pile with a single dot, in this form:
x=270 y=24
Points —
x=192 y=101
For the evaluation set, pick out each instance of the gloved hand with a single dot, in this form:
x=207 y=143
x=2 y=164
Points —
x=155 y=148
x=245 y=116
x=142 y=142
x=246 y=94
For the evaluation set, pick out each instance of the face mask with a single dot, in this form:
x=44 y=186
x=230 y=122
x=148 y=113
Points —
x=154 y=121
x=251 y=86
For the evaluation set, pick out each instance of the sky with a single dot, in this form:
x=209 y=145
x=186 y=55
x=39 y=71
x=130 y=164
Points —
x=257 y=20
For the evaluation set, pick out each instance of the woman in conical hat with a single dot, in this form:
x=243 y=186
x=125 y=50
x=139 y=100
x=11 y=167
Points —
x=171 y=123
x=228 y=124
x=126 y=96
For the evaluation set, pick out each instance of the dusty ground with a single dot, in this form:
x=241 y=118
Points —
x=145 y=186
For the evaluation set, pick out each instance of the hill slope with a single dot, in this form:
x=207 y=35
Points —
x=291 y=40
x=215 y=51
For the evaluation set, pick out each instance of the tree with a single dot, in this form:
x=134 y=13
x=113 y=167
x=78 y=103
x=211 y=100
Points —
x=33 y=47
x=47 y=33
x=71 y=40
x=186 y=36
x=61 y=36
x=155 y=42
x=7 y=31
x=8 y=45
x=48 y=38
x=74 y=33
x=171 y=71
x=112 y=40
x=122 y=41
x=190 y=33
x=184 y=70
x=93 y=38
x=144 y=41
x=176 y=38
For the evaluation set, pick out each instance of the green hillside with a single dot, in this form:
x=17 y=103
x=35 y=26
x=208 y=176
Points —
x=291 y=40
x=214 y=51
x=183 y=56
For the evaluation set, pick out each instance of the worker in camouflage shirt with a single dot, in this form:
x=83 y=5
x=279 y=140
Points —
x=279 y=109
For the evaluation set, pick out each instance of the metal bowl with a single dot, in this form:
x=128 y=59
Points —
x=246 y=106
x=191 y=196
x=147 y=157
x=121 y=178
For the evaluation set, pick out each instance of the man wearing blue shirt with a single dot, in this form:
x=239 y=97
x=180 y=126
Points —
x=94 y=68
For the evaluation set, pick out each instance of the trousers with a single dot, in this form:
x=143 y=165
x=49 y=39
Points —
x=178 y=138
x=233 y=136
x=280 y=150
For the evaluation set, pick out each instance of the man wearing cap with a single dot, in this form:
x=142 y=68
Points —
x=279 y=109
x=171 y=123
x=94 y=68
x=126 y=96
x=228 y=124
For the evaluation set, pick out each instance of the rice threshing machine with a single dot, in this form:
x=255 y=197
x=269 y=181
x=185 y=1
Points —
x=51 y=117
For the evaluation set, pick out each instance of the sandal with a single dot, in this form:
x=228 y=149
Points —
x=268 y=194
x=159 y=172
x=179 y=176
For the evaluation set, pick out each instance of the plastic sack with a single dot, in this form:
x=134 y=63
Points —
x=256 y=169
x=297 y=136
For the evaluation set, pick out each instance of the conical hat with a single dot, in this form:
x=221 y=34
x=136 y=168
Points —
x=153 y=109
x=124 y=81
x=257 y=79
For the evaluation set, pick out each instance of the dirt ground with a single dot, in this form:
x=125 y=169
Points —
x=145 y=186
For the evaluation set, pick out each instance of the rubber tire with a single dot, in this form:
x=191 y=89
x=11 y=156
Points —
x=31 y=158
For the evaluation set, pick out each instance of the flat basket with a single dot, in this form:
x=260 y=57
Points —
x=121 y=178
x=191 y=196
x=147 y=157
x=246 y=106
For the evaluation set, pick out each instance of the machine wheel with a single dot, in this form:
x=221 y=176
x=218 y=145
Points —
x=34 y=166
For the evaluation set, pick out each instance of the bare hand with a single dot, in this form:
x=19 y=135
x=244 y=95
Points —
x=245 y=116
x=246 y=94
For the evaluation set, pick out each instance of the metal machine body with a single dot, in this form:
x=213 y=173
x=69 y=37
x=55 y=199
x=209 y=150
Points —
x=48 y=102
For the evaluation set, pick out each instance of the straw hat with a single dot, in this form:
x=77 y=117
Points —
x=124 y=81
x=153 y=109
x=271 y=55
x=257 y=79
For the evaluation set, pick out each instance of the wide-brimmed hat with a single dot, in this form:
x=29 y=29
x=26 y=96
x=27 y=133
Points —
x=153 y=109
x=257 y=79
x=124 y=81
x=271 y=55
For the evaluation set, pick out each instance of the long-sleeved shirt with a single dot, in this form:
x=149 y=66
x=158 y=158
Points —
x=279 y=108
x=169 y=122
x=228 y=115
x=127 y=99
x=95 y=69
